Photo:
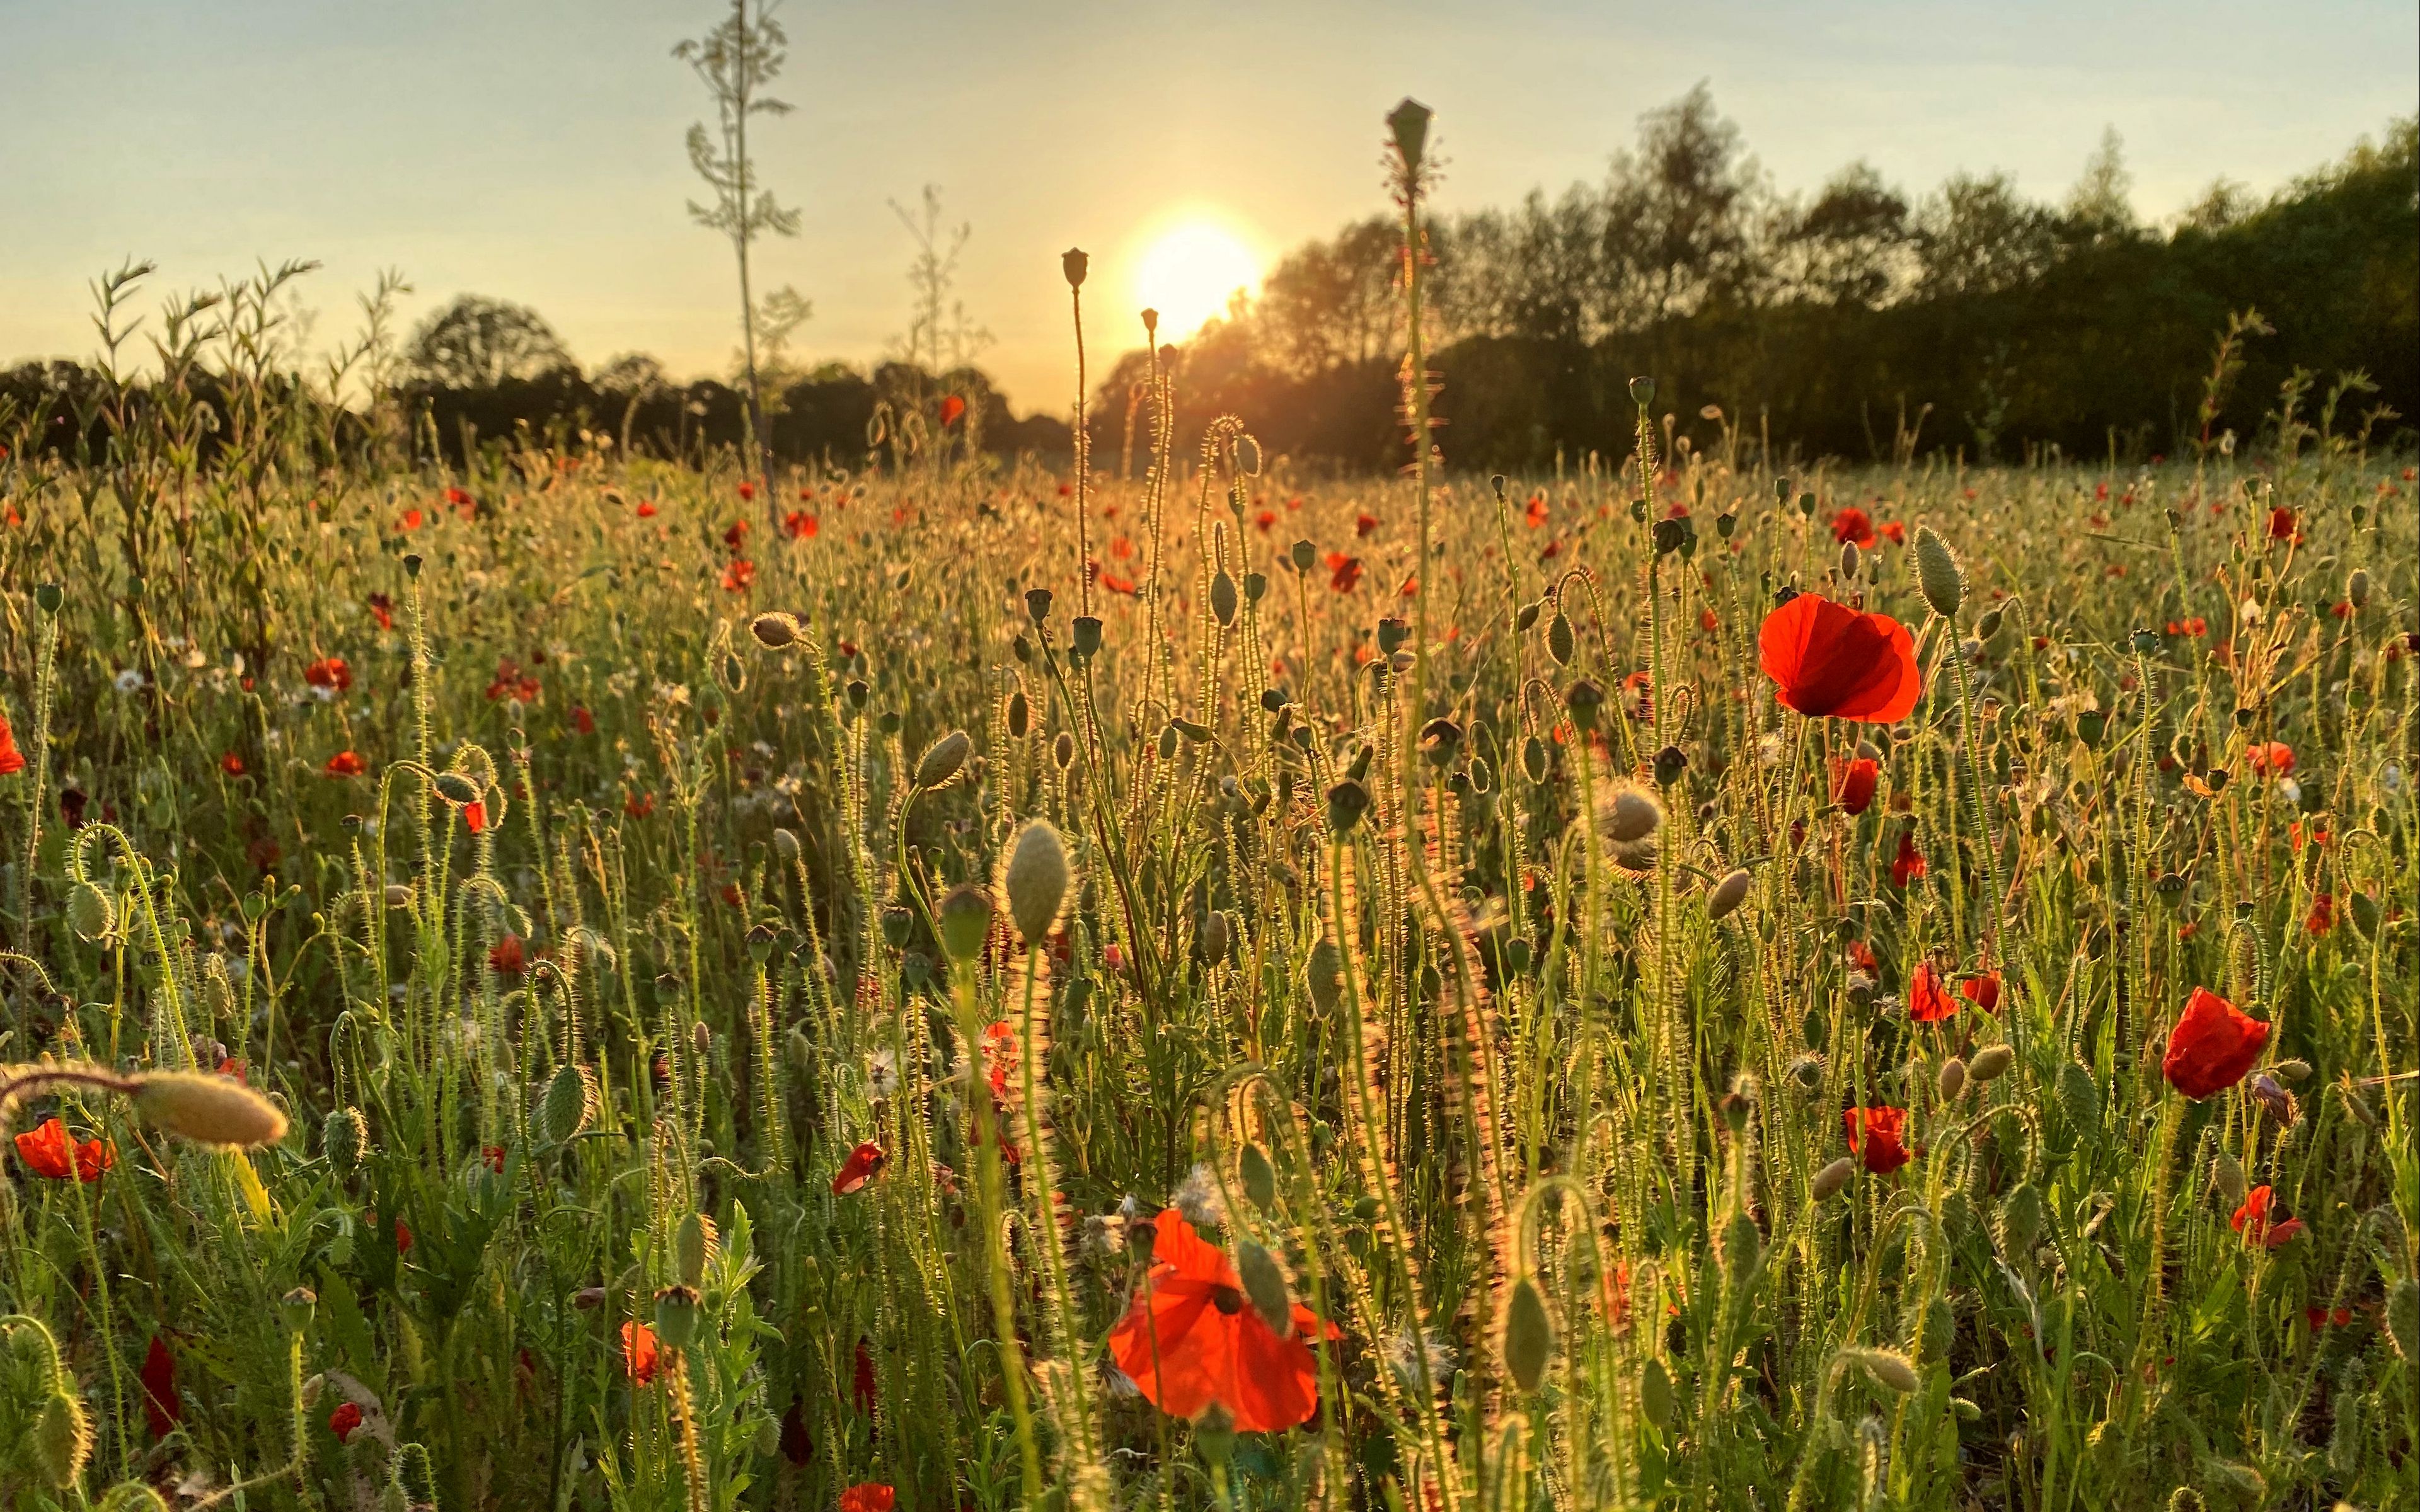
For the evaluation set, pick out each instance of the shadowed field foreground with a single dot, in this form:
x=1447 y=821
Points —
x=746 y=962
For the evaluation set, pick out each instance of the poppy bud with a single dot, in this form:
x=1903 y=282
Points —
x=1222 y=597
x=1743 y=1245
x=1632 y=814
x=1727 y=895
x=1323 y=975
x=1533 y=759
x=50 y=597
x=1891 y=1370
x=1528 y=1335
x=694 y=1244
x=1951 y=1080
x=1937 y=573
x=1216 y=937
x=677 y=1315
x=296 y=1307
x=963 y=920
x=942 y=760
x=1831 y=1177
x=1849 y=560
x=1409 y=123
x=1655 y=1392
x=2227 y=1177
x=1075 y=264
x=1440 y=738
x=1063 y=750
x=571 y=1102
x=1259 y=1181
x=2019 y=1221
x=399 y=895
x=701 y=1039
x=1670 y=762
x=1584 y=699
x=62 y=1438
x=1035 y=880
x=342 y=1139
x=774 y=629
x=1808 y=1072
x=92 y=912
x=1560 y=642
x=210 y=1110
x=456 y=789
x=2357 y=588
x=1303 y=555
x=1991 y=1062
x=1264 y=1283
x=1988 y=626
x=1019 y=715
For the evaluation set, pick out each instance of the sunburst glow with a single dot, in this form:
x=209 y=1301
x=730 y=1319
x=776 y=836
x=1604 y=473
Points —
x=1189 y=272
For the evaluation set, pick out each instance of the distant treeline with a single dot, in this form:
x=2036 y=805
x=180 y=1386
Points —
x=1856 y=323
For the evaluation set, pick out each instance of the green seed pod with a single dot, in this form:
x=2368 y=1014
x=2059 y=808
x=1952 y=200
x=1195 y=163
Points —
x=570 y=1103
x=1951 y=1080
x=1036 y=879
x=1642 y=392
x=1264 y=1283
x=942 y=760
x=1937 y=573
x=1258 y=1178
x=1560 y=641
x=62 y=1439
x=1302 y=555
x=1725 y=897
x=1072 y=263
x=342 y=1139
x=1084 y=636
x=1409 y=123
x=296 y=1308
x=677 y=1315
x=1833 y=1176
x=694 y=1244
x=1655 y=1393
x=1991 y=1062
x=1584 y=699
x=1222 y=597
x=1528 y=1335
x=964 y=918
x=1346 y=802
x=92 y=912
x=456 y=789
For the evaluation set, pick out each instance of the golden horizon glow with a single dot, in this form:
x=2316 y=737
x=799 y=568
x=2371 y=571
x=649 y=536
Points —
x=1189 y=271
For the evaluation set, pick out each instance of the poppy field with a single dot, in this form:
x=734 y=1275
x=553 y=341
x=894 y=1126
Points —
x=577 y=981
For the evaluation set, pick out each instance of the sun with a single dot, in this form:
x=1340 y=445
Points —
x=1189 y=272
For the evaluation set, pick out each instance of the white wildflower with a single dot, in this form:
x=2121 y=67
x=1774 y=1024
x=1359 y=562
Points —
x=128 y=681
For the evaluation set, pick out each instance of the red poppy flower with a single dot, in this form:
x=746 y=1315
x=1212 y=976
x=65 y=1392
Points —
x=1852 y=782
x=2282 y=525
x=506 y=957
x=646 y=509
x=345 y=763
x=343 y=1420
x=2253 y=1222
x=583 y=720
x=12 y=760
x=1363 y=525
x=413 y=519
x=999 y=1058
x=402 y=1233
x=738 y=576
x=1264 y=519
x=1927 y=996
x=747 y=490
x=801 y=526
x=383 y=610
x=638 y=805
x=1861 y=956
x=231 y=763
x=1853 y=524
x=1344 y=572
x=2322 y=917
x=1191 y=1338
x=2212 y=1046
x=494 y=1156
x=860 y=1378
x=50 y=1153
x=863 y=1165
x=2320 y=1317
x=1982 y=991
x=1875 y=1137
x=474 y=814
x=163 y=1408
x=330 y=673
x=2272 y=756
x=1535 y=514
x=952 y=408
x=867 y=1496
x=1909 y=863
x=639 y=1352
x=1829 y=660
x=456 y=498
x=735 y=533
x=1895 y=531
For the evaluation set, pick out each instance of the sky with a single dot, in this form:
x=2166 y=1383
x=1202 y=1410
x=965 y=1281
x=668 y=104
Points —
x=531 y=149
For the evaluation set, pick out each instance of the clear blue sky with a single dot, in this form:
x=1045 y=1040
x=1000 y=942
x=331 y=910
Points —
x=532 y=148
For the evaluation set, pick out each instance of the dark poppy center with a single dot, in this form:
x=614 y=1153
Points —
x=1227 y=1299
